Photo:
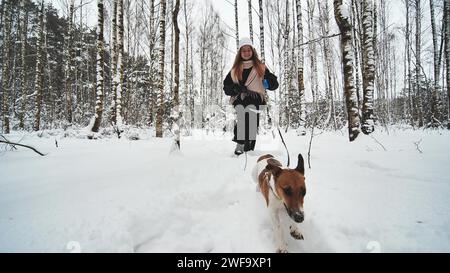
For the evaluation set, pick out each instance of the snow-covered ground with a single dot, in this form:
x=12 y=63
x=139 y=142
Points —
x=111 y=195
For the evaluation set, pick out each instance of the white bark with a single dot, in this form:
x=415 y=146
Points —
x=23 y=82
x=250 y=20
x=261 y=31
x=437 y=65
x=162 y=44
x=300 y=63
x=343 y=21
x=6 y=70
x=418 y=60
x=236 y=18
x=312 y=52
x=99 y=87
x=39 y=85
x=118 y=79
x=447 y=56
x=68 y=65
x=369 y=68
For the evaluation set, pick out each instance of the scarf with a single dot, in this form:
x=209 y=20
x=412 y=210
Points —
x=253 y=83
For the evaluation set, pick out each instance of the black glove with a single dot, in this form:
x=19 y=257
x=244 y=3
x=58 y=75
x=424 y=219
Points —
x=254 y=95
x=240 y=88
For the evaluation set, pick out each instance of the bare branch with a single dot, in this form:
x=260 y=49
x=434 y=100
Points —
x=417 y=146
x=320 y=39
x=21 y=145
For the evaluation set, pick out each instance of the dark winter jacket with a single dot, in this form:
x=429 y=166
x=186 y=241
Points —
x=232 y=89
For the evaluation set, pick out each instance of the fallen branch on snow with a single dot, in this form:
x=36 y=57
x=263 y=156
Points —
x=12 y=146
x=417 y=146
x=7 y=142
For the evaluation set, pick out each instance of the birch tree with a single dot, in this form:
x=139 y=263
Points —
x=23 y=82
x=188 y=68
x=367 y=126
x=160 y=99
x=68 y=59
x=114 y=55
x=100 y=73
x=436 y=66
x=287 y=81
x=261 y=31
x=152 y=75
x=418 y=64
x=118 y=77
x=312 y=53
x=447 y=56
x=6 y=70
x=300 y=61
x=342 y=13
x=250 y=19
x=408 y=63
x=176 y=100
x=39 y=77
x=356 y=22
x=236 y=18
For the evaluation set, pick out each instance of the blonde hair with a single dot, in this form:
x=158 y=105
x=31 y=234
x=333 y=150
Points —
x=238 y=65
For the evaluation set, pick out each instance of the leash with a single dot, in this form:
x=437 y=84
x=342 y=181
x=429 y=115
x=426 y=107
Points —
x=285 y=146
x=279 y=132
x=282 y=140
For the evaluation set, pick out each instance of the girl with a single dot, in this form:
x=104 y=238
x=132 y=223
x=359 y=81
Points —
x=246 y=83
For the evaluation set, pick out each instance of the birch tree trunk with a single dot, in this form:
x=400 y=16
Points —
x=160 y=99
x=300 y=61
x=250 y=20
x=369 y=68
x=261 y=31
x=418 y=61
x=188 y=81
x=312 y=49
x=236 y=18
x=176 y=100
x=437 y=68
x=447 y=55
x=39 y=85
x=100 y=75
x=287 y=82
x=408 y=57
x=68 y=70
x=152 y=66
x=23 y=78
x=357 y=50
x=6 y=70
x=119 y=79
x=343 y=21
x=114 y=55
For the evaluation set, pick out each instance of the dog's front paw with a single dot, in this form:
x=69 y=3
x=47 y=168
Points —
x=282 y=250
x=296 y=234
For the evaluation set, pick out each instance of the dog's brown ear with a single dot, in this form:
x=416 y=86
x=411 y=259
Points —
x=274 y=169
x=300 y=165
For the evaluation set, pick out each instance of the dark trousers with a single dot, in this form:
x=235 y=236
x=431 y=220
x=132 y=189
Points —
x=249 y=123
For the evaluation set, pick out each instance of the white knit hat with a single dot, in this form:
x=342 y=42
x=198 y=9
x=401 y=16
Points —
x=245 y=41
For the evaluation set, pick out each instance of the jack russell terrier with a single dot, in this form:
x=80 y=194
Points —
x=284 y=191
